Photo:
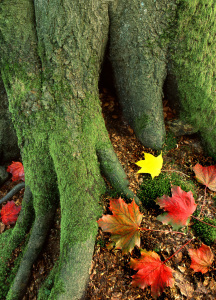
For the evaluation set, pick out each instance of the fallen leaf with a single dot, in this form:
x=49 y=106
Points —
x=201 y=259
x=179 y=207
x=17 y=171
x=151 y=164
x=9 y=213
x=201 y=289
x=151 y=271
x=186 y=288
x=2 y=227
x=123 y=224
x=206 y=176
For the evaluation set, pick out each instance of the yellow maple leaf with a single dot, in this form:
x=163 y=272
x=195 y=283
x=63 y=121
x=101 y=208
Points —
x=151 y=164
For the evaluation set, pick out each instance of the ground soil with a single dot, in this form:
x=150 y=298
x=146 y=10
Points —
x=110 y=274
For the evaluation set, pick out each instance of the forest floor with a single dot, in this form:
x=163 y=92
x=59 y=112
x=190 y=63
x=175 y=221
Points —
x=110 y=274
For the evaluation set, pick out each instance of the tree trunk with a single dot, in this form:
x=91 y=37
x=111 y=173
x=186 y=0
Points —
x=64 y=144
x=138 y=56
x=192 y=65
x=51 y=55
x=9 y=149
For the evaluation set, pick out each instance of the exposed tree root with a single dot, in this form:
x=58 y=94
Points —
x=114 y=172
x=17 y=235
x=38 y=235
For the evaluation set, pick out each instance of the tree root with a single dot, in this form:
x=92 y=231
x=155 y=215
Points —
x=18 y=234
x=14 y=190
x=34 y=246
x=113 y=171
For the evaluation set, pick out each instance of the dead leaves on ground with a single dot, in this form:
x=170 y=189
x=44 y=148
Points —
x=124 y=226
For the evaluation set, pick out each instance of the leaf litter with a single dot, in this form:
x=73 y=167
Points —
x=111 y=275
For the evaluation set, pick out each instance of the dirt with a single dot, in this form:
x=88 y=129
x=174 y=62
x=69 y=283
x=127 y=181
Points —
x=110 y=274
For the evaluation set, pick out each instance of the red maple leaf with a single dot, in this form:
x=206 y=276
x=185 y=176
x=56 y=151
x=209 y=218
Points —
x=151 y=271
x=9 y=213
x=179 y=207
x=206 y=176
x=201 y=259
x=123 y=224
x=17 y=171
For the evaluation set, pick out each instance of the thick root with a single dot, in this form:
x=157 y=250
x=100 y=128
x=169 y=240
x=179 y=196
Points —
x=34 y=246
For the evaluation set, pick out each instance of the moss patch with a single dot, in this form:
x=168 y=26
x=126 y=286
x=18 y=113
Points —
x=206 y=233
x=194 y=64
x=151 y=189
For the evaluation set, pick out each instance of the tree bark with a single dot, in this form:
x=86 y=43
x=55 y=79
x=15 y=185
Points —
x=51 y=55
x=139 y=58
x=62 y=136
x=9 y=149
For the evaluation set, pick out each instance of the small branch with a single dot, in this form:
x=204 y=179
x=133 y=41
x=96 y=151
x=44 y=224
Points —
x=203 y=222
x=165 y=231
x=203 y=202
x=178 y=250
x=176 y=172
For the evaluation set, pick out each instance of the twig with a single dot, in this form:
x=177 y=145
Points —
x=204 y=200
x=166 y=231
x=178 y=250
x=203 y=222
x=176 y=172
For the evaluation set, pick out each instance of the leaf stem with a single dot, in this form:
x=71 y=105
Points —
x=166 y=231
x=178 y=250
x=204 y=200
x=203 y=222
x=176 y=172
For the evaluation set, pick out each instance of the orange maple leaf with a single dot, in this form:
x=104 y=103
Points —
x=123 y=224
x=151 y=271
x=201 y=259
x=206 y=176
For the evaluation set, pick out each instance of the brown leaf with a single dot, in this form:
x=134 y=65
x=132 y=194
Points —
x=2 y=227
x=185 y=287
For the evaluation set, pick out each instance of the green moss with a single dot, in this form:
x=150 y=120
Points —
x=8 y=273
x=206 y=233
x=141 y=122
x=47 y=286
x=183 y=181
x=151 y=189
x=194 y=58
x=170 y=142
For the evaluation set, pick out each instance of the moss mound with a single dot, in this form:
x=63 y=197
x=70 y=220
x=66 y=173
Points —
x=206 y=233
x=151 y=189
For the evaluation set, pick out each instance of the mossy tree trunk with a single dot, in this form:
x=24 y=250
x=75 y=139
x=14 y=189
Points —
x=9 y=149
x=192 y=65
x=51 y=54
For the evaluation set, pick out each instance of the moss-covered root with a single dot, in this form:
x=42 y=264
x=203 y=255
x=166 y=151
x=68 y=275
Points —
x=113 y=171
x=17 y=235
x=36 y=241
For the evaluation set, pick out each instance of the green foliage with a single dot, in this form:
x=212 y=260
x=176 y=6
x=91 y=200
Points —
x=206 y=233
